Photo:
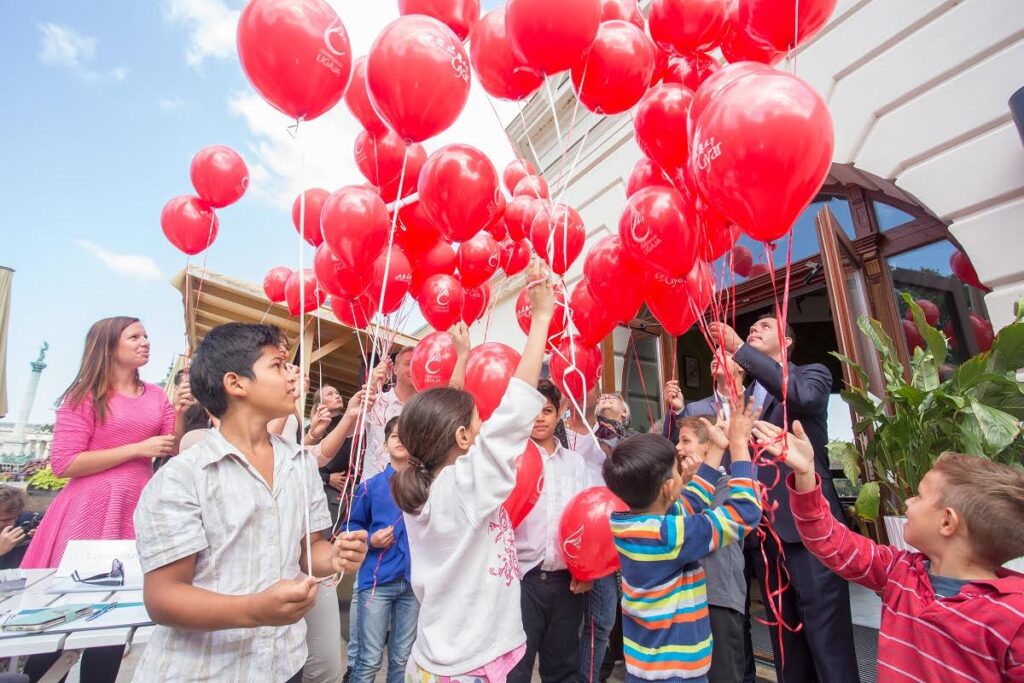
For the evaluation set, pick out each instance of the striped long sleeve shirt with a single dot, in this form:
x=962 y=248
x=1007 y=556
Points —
x=976 y=635
x=666 y=630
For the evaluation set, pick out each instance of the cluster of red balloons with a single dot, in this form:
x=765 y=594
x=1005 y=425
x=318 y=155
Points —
x=220 y=178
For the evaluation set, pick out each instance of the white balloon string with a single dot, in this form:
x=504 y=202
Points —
x=580 y=410
x=302 y=317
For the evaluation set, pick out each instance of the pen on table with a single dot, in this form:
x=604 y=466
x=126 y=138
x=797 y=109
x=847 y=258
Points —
x=101 y=611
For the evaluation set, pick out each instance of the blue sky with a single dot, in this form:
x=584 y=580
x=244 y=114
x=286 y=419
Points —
x=105 y=104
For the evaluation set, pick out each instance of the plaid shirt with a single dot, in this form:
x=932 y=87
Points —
x=211 y=503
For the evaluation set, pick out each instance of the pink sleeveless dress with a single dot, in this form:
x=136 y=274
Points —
x=99 y=506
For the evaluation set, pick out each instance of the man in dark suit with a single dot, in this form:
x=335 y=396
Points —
x=728 y=377
x=822 y=651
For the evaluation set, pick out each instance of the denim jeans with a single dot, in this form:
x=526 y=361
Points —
x=393 y=604
x=598 y=621
x=352 y=649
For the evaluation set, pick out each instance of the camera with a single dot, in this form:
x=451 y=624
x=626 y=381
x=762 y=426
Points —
x=30 y=522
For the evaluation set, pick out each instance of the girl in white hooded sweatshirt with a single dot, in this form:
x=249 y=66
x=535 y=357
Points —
x=465 y=573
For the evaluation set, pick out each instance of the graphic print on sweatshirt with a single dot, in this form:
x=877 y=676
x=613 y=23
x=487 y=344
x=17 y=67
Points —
x=506 y=562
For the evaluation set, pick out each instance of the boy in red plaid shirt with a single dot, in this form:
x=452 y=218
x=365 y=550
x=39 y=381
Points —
x=950 y=612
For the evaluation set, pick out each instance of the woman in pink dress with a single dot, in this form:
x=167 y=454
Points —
x=110 y=427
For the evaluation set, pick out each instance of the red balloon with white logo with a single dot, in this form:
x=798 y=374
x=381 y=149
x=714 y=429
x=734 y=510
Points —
x=355 y=226
x=441 y=300
x=391 y=280
x=575 y=368
x=302 y=293
x=615 y=277
x=585 y=536
x=307 y=219
x=274 y=282
x=219 y=175
x=528 y=487
x=479 y=259
x=761 y=151
x=458 y=15
x=617 y=69
x=440 y=259
x=417 y=76
x=677 y=302
x=516 y=171
x=524 y=314
x=475 y=302
x=458 y=191
x=488 y=371
x=558 y=236
x=714 y=85
x=502 y=71
x=358 y=100
x=645 y=174
x=189 y=224
x=783 y=24
x=551 y=36
x=659 y=227
x=296 y=54
x=687 y=26
x=964 y=269
x=593 y=320
x=533 y=186
x=660 y=125
x=433 y=361
x=337 y=279
x=379 y=157
x=515 y=256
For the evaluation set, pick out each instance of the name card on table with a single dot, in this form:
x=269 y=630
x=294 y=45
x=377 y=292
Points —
x=94 y=562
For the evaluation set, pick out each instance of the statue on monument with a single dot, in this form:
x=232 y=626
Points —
x=42 y=351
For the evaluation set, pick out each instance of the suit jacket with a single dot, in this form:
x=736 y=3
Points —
x=807 y=400
x=705 y=407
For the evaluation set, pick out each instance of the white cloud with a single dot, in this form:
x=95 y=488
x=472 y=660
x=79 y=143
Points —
x=170 y=103
x=134 y=266
x=328 y=141
x=66 y=48
x=212 y=25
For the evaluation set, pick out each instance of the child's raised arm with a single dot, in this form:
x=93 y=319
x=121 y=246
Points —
x=542 y=300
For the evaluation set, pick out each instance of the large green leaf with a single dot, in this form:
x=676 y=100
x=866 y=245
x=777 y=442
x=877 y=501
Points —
x=861 y=404
x=849 y=362
x=875 y=333
x=868 y=501
x=998 y=429
x=1008 y=349
x=934 y=339
x=846 y=453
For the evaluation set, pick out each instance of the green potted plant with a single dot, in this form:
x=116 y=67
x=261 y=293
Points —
x=976 y=409
x=46 y=485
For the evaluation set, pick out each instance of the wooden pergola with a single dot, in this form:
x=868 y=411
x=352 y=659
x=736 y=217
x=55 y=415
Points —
x=332 y=353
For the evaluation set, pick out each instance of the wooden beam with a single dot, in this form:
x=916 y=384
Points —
x=331 y=346
x=608 y=374
x=246 y=313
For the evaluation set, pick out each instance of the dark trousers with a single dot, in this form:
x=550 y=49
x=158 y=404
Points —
x=297 y=678
x=99 y=664
x=822 y=651
x=727 y=658
x=551 y=618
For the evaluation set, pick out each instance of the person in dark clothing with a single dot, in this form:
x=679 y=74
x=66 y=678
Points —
x=16 y=527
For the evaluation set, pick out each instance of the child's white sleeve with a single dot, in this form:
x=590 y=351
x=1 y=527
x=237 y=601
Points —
x=485 y=477
x=168 y=518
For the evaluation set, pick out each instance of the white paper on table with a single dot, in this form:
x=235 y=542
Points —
x=90 y=558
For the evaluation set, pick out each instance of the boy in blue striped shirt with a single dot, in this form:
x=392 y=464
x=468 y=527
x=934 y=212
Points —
x=668 y=529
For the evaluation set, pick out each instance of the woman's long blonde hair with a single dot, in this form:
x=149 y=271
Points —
x=93 y=379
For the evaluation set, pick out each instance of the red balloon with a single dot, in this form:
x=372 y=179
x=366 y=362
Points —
x=310 y=220
x=415 y=233
x=615 y=277
x=645 y=174
x=626 y=10
x=219 y=175
x=524 y=314
x=502 y=71
x=379 y=157
x=296 y=54
x=983 y=332
x=718 y=235
x=575 y=368
x=519 y=216
x=773 y=21
x=659 y=226
x=532 y=186
x=687 y=26
x=433 y=361
x=479 y=258
x=416 y=159
x=355 y=313
x=964 y=269
x=551 y=36
x=691 y=70
x=677 y=302
x=500 y=204
x=475 y=303
x=273 y=283
x=914 y=338
x=498 y=231
x=662 y=60
x=417 y=75
x=715 y=84
x=516 y=171
x=458 y=15
x=660 y=125
x=335 y=278
x=558 y=237
x=302 y=293
x=440 y=259
x=458 y=190
x=759 y=269
x=740 y=46
x=593 y=320
x=515 y=256
x=358 y=100
x=761 y=151
x=488 y=371
x=617 y=69
x=441 y=301
x=529 y=484
x=189 y=224
x=585 y=535
x=355 y=226
x=399 y=280
x=930 y=310
x=742 y=261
